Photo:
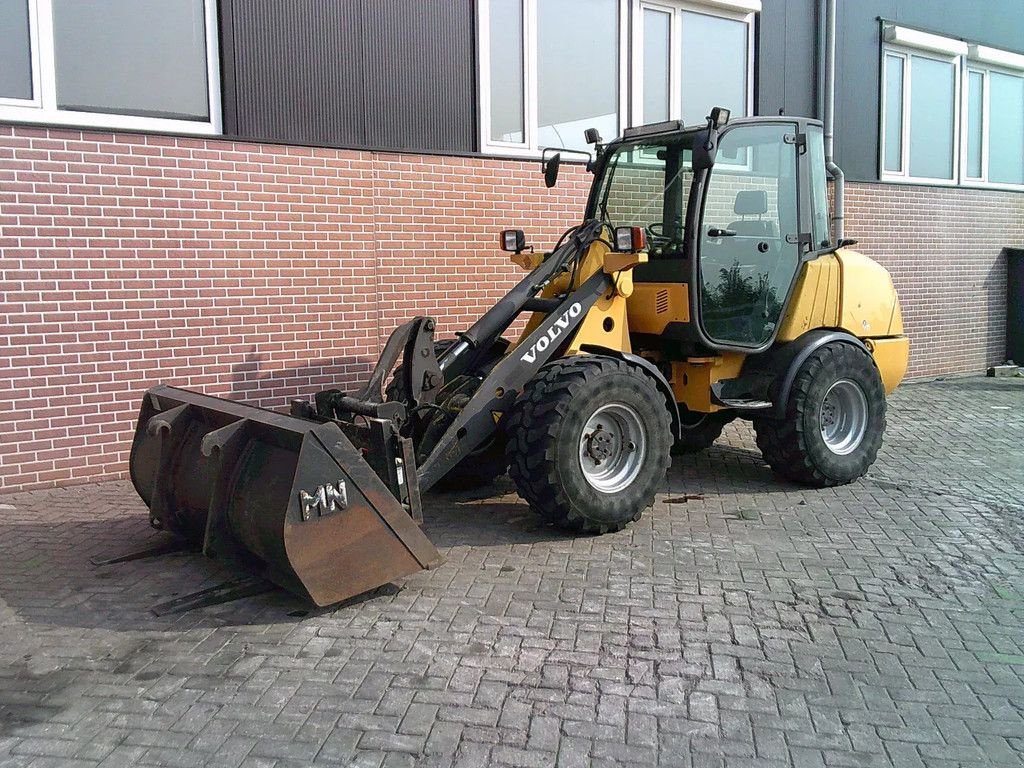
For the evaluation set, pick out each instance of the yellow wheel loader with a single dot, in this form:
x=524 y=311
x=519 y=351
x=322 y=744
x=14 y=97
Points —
x=701 y=286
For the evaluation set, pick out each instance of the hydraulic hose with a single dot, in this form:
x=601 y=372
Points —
x=489 y=327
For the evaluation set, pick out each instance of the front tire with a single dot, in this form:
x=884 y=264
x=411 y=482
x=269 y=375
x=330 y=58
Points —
x=588 y=443
x=834 y=421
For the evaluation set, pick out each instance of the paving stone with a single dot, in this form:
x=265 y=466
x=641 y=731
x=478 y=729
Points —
x=743 y=621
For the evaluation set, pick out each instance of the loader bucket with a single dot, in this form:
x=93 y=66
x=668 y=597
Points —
x=292 y=497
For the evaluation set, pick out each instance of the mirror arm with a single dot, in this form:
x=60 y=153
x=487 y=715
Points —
x=562 y=151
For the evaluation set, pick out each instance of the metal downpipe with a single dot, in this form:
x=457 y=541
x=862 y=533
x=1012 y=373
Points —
x=838 y=177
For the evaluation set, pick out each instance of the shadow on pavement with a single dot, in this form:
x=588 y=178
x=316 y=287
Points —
x=46 y=576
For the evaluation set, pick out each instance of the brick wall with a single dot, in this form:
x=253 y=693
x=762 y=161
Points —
x=943 y=247
x=253 y=272
x=261 y=272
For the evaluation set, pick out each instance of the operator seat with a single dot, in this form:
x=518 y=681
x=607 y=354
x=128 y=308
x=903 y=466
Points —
x=752 y=202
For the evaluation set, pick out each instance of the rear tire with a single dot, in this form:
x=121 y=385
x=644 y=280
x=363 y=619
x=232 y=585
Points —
x=698 y=431
x=588 y=443
x=834 y=421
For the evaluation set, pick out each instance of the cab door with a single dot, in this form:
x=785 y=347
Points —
x=750 y=245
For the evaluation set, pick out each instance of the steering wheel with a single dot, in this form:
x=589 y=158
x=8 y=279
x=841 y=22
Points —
x=659 y=241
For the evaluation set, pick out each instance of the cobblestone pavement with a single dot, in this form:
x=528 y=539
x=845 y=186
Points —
x=743 y=621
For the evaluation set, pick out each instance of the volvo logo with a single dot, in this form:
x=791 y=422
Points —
x=555 y=330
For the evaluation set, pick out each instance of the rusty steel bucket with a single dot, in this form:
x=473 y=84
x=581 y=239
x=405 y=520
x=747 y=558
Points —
x=291 y=497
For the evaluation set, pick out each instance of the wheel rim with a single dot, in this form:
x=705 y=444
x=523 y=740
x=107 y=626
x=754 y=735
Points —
x=613 y=446
x=843 y=417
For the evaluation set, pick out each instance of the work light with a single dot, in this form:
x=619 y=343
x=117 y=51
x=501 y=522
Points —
x=512 y=240
x=630 y=239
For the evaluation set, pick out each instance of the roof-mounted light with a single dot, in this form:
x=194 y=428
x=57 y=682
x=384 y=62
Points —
x=666 y=126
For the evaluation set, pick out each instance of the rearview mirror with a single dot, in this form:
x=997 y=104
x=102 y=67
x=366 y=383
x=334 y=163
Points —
x=551 y=169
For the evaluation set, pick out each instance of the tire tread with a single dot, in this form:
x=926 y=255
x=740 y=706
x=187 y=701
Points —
x=532 y=430
x=783 y=442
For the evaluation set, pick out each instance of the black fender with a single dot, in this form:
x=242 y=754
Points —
x=783 y=362
x=651 y=370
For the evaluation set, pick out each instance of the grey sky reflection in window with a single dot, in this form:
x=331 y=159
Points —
x=893 y=113
x=1006 y=129
x=931 y=118
x=506 y=51
x=132 y=58
x=714 y=66
x=577 y=71
x=657 y=39
x=15 y=53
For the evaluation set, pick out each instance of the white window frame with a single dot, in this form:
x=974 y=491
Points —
x=904 y=42
x=734 y=11
x=970 y=69
x=985 y=70
x=905 y=53
x=35 y=101
x=904 y=123
x=630 y=66
x=637 y=58
x=530 y=128
x=529 y=23
x=42 y=108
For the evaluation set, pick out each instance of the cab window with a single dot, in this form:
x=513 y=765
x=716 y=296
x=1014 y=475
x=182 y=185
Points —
x=749 y=246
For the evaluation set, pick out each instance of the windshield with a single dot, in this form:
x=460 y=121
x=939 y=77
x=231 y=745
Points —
x=647 y=185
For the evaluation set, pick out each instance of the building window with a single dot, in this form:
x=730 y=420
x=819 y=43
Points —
x=681 y=59
x=995 y=126
x=975 y=120
x=506 y=33
x=688 y=58
x=16 y=61
x=892 y=112
x=920 y=115
x=537 y=91
x=950 y=113
x=111 y=64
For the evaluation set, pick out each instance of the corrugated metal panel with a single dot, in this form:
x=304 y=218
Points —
x=376 y=73
x=786 y=62
x=422 y=69
x=225 y=27
x=298 y=73
x=801 y=51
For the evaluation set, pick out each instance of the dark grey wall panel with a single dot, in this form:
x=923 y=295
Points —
x=421 y=70
x=297 y=76
x=787 y=51
x=999 y=23
x=225 y=29
x=353 y=73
